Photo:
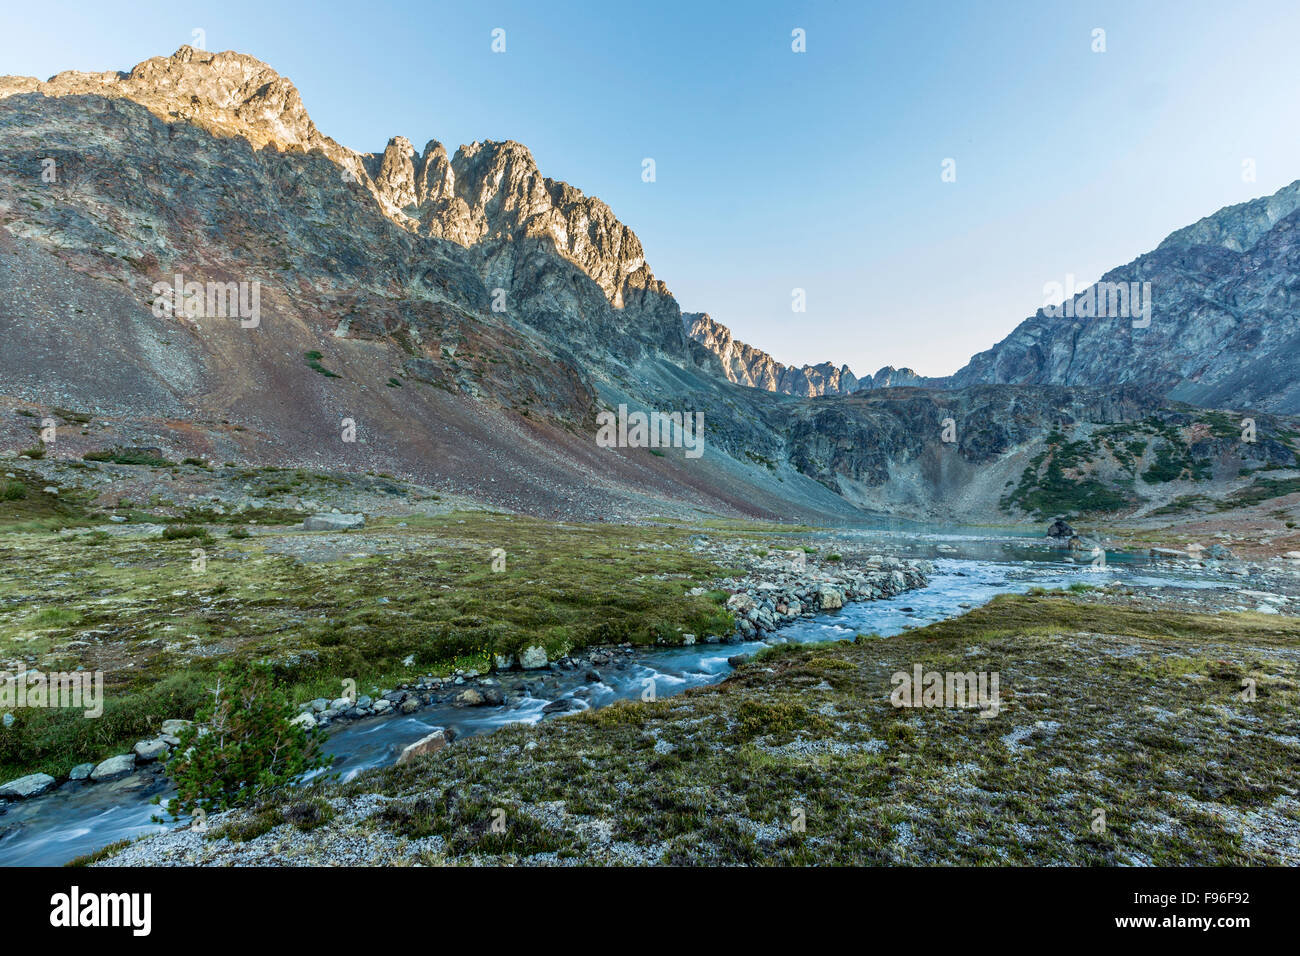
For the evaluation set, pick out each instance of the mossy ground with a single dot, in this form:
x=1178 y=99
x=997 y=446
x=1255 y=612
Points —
x=356 y=606
x=1106 y=710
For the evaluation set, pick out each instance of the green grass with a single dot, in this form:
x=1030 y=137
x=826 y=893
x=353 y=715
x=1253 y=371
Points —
x=313 y=361
x=160 y=626
x=25 y=507
x=103 y=853
x=128 y=457
x=178 y=532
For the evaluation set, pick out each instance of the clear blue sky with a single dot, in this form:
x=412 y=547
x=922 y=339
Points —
x=778 y=170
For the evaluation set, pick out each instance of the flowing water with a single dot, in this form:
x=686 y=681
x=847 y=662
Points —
x=78 y=818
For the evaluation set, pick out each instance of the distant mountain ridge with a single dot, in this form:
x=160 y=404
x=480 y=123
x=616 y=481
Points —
x=1224 y=330
x=746 y=365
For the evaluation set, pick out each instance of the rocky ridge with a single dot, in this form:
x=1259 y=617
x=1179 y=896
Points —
x=1224 y=328
x=752 y=367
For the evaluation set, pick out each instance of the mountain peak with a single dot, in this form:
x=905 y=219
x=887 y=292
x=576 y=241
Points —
x=487 y=189
x=228 y=93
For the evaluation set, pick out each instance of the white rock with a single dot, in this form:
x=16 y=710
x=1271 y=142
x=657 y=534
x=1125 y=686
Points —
x=333 y=522
x=113 y=767
x=32 y=785
x=830 y=599
x=533 y=658
x=150 y=750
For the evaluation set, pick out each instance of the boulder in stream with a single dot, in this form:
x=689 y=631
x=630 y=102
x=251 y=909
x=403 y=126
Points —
x=150 y=750
x=533 y=658
x=113 y=767
x=831 y=599
x=32 y=785
x=1060 y=529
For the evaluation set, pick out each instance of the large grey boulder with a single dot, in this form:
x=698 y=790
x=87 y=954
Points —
x=533 y=658
x=113 y=767
x=150 y=750
x=32 y=785
x=831 y=599
x=1060 y=529
x=331 y=522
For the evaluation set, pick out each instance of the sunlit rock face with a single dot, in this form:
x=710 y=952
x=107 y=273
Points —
x=746 y=365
